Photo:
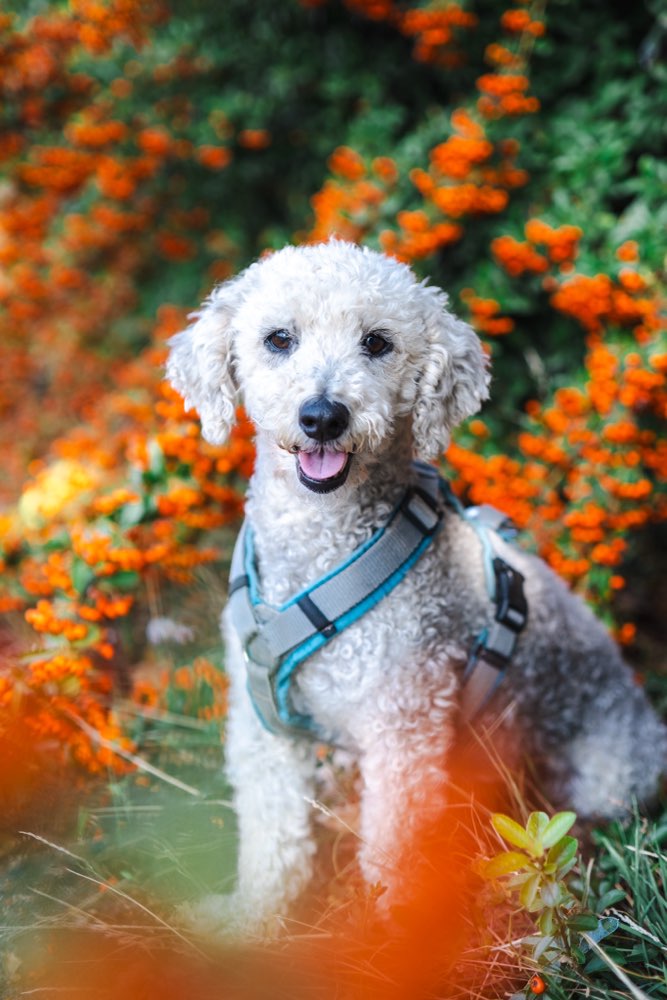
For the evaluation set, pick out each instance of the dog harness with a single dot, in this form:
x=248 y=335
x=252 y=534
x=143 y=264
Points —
x=277 y=640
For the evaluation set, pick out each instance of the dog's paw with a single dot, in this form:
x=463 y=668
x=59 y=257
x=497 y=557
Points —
x=230 y=918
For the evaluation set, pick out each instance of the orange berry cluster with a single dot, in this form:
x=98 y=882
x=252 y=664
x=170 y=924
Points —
x=418 y=236
x=433 y=26
x=350 y=204
x=557 y=245
x=52 y=250
x=434 y=29
x=43 y=619
x=468 y=174
x=147 y=536
x=462 y=180
x=518 y=21
x=503 y=92
x=505 y=95
x=599 y=301
x=484 y=315
x=590 y=469
x=518 y=257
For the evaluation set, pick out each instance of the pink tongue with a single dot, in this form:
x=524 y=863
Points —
x=322 y=464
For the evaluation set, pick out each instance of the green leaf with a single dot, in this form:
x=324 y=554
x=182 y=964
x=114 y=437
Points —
x=516 y=881
x=70 y=687
x=544 y=945
x=578 y=955
x=156 y=463
x=551 y=893
x=126 y=579
x=132 y=513
x=505 y=864
x=513 y=833
x=529 y=891
x=557 y=827
x=583 y=922
x=610 y=898
x=595 y=964
x=563 y=870
x=562 y=852
x=82 y=575
x=546 y=922
x=537 y=821
x=55 y=544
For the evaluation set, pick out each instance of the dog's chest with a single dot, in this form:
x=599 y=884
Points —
x=401 y=657
x=395 y=660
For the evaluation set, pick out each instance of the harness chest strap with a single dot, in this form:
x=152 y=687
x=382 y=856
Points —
x=275 y=641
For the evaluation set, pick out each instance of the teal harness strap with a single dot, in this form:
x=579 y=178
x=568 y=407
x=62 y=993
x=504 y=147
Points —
x=276 y=640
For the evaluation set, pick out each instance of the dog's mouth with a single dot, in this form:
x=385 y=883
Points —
x=323 y=471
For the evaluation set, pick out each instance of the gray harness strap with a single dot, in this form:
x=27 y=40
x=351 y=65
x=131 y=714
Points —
x=275 y=641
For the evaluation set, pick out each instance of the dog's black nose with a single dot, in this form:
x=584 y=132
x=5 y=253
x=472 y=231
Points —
x=323 y=419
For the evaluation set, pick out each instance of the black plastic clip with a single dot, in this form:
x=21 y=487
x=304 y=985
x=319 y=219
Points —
x=511 y=604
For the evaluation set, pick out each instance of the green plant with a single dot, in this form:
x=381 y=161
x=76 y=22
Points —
x=538 y=871
x=620 y=892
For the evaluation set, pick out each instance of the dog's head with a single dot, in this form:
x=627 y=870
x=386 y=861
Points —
x=331 y=348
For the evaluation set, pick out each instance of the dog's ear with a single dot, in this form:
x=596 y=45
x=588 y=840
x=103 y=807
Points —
x=454 y=380
x=200 y=363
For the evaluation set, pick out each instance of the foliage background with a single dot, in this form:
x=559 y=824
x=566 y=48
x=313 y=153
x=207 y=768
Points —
x=150 y=148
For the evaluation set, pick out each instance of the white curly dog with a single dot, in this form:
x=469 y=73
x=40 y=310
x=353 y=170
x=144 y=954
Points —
x=350 y=368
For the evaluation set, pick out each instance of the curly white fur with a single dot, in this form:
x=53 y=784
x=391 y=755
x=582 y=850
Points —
x=386 y=687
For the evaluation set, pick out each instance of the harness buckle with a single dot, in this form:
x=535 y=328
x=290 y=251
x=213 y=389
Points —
x=257 y=651
x=261 y=673
x=421 y=510
x=511 y=604
x=496 y=644
x=260 y=667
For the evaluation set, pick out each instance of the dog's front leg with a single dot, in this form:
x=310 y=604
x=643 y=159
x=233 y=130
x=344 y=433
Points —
x=273 y=779
x=403 y=803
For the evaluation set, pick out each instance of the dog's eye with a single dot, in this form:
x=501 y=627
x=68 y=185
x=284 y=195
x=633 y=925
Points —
x=279 y=340
x=374 y=344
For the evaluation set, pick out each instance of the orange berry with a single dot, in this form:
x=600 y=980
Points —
x=254 y=138
x=537 y=984
x=214 y=157
x=628 y=251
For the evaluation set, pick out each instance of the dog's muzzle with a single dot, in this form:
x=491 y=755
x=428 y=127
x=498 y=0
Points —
x=324 y=469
